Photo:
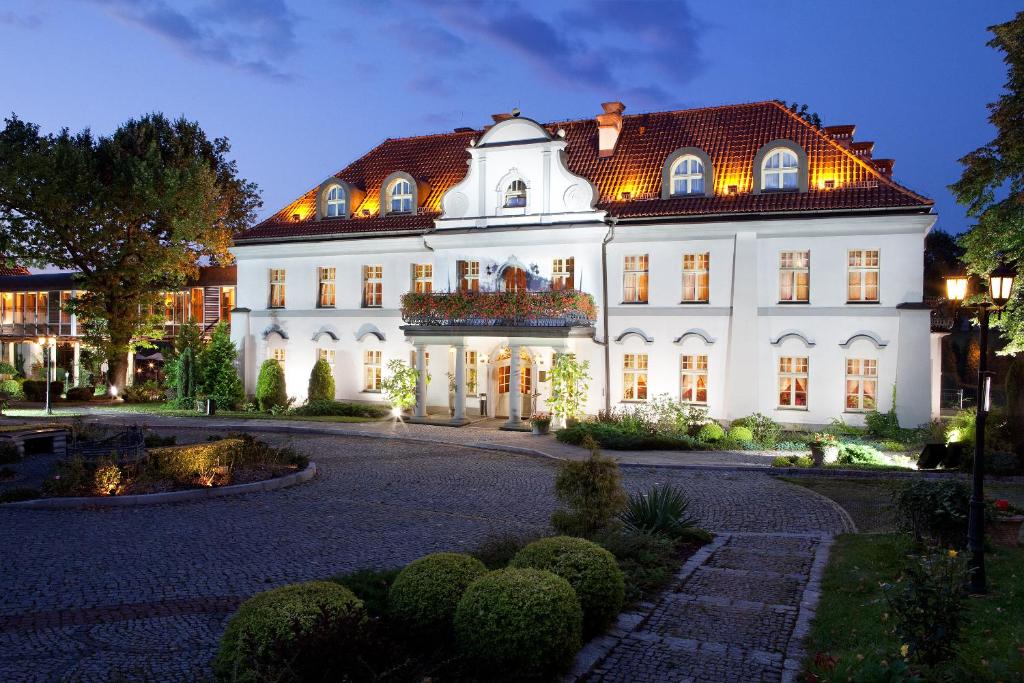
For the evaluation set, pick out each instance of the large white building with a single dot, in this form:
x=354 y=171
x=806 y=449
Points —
x=737 y=257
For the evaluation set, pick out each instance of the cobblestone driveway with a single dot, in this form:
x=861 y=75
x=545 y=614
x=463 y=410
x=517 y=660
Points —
x=142 y=593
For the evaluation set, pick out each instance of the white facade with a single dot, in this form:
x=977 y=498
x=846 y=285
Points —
x=737 y=338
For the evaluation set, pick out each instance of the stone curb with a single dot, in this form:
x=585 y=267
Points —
x=795 y=652
x=187 y=496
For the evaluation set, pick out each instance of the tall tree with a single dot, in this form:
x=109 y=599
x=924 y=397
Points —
x=992 y=183
x=133 y=212
x=942 y=257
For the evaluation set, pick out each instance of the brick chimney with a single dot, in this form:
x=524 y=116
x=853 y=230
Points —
x=884 y=166
x=841 y=134
x=609 y=125
x=863 y=150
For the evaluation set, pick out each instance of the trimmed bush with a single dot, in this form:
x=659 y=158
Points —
x=619 y=437
x=35 y=390
x=11 y=388
x=425 y=594
x=321 y=382
x=712 y=431
x=859 y=454
x=741 y=434
x=521 y=622
x=371 y=586
x=81 y=393
x=270 y=388
x=273 y=634
x=765 y=430
x=333 y=408
x=591 y=571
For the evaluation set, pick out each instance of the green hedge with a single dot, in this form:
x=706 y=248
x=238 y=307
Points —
x=35 y=390
x=425 y=594
x=339 y=408
x=610 y=435
x=12 y=389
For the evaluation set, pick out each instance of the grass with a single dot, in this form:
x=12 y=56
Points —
x=852 y=627
x=163 y=410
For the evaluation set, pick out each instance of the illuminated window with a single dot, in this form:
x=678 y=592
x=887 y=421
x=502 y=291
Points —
x=515 y=195
x=861 y=384
x=862 y=275
x=327 y=355
x=469 y=275
x=326 y=288
x=227 y=303
x=779 y=170
x=278 y=355
x=471 y=372
x=371 y=370
x=795 y=276
x=277 y=287
x=196 y=306
x=422 y=278
x=688 y=176
x=505 y=375
x=634 y=279
x=695 y=277
x=562 y=273
x=693 y=379
x=634 y=377
x=793 y=382
x=400 y=196
x=373 y=286
x=334 y=203
x=504 y=372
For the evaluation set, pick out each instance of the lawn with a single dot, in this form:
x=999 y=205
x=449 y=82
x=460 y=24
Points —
x=852 y=635
x=164 y=410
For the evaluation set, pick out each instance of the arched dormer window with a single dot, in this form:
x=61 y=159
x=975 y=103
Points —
x=687 y=173
x=334 y=202
x=337 y=198
x=515 y=195
x=780 y=166
x=399 y=196
x=687 y=176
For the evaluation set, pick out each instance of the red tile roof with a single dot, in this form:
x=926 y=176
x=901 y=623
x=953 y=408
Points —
x=10 y=268
x=730 y=135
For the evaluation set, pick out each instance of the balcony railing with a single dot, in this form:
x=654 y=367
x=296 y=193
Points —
x=561 y=308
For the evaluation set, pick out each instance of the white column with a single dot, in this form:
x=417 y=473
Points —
x=460 y=382
x=515 y=399
x=421 y=382
x=130 y=375
x=76 y=369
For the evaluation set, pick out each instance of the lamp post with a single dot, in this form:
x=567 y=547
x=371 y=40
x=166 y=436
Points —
x=1000 y=285
x=47 y=344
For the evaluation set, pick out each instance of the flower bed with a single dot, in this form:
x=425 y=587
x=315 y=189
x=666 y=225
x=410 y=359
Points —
x=561 y=308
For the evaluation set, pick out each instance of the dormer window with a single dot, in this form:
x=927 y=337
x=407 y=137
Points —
x=334 y=202
x=688 y=176
x=400 y=196
x=780 y=171
x=515 y=195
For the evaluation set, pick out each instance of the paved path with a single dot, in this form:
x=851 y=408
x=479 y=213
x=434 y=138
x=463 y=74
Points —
x=143 y=593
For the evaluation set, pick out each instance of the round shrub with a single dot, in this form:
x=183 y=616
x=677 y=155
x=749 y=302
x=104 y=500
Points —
x=712 y=431
x=591 y=571
x=11 y=388
x=321 y=382
x=741 y=433
x=296 y=620
x=270 y=388
x=425 y=594
x=523 y=622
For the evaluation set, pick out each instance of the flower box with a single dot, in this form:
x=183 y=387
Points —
x=557 y=308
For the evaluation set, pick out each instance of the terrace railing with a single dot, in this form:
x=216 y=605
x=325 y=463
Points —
x=558 y=308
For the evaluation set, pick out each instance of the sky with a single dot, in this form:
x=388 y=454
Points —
x=303 y=87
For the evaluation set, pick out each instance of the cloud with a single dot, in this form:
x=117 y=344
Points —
x=250 y=35
x=21 y=20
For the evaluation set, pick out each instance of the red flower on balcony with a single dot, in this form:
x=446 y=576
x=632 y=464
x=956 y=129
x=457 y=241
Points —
x=560 y=308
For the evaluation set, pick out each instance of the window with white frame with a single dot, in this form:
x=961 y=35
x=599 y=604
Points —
x=862 y=275
x=468 y=273
x=400 y=196
x=326 y=289
x=334 y=202
x=562 y=273
x=688 y=176
x=515 y=195
x=422 y=278
x=634 y=377
x=278 y=355
x=695 y=277
x=861 y=384
x=793 y=382
x=277 y=287
x=426 y=360
x=326 y=355
x=780 y=170
x=373 y=286
x=634 y=279
x=693 y=379
x=371 y=370
x=795 y=276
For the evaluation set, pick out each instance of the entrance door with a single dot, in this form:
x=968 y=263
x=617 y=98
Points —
x=513 y=279
x=503 y=382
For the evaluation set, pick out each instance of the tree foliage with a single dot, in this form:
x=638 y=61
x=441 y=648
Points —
x=185 y=376
x=218 y=376
x=569 y=384
x=991 y=186
x=399 y=387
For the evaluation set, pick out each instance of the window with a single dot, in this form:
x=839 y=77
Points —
x=326 y=289
x=862 y=275
x=227 y=303
x=469 y=276
x=693 y=379
x=278 y=355
x=779 y=170
x=795 y=276
x=634 y=377
x=334 y=203
x=400 y=197
x=327 y=355
x=861 y=383
x=371 y=371
x=695 y=277
x=277 y=287
x=422 y=278
x=373 y=286
x=688 y=176
x=515 y=195
x=504 y=372
x=471 y=372
x=195 y=313
x=792 y=382
x=634 y=280
x=562 y=273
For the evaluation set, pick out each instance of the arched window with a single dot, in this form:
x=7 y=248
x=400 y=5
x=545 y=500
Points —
x=688 y=176
x=334 y=202
x=780 y=170
x=400 y=197
x=515 y=195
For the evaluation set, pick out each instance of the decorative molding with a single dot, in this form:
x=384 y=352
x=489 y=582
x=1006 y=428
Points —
x=274 y=328
x=638 y=332
x=808 y=342
x=329 y=331
x=864 y=334
x=695 y=332
x=369 y=328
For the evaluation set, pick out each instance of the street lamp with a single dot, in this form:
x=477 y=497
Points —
x=957 y=289
x=47 y=344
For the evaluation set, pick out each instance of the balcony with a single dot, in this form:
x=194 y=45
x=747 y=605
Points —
x=561 y=308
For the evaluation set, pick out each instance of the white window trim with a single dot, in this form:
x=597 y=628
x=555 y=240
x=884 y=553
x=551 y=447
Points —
x=631 y=377
x=864 y=270
x=402 y=197
x=793 y=375
x=860 y=377
x=781 y=171
x=326 y=277
x=697 y=271
x=791 y=272
x=277 y=278
x=378 y=279
x=641 y=268
x=688 y=177
x=426 y=279
x=695 y=373
x=376 y=362
x=335 y=199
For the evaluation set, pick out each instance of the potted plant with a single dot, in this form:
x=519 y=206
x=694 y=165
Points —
x=569 y=385
x=824 y=448
x=451 y=395
x=1004 y=524
x=540 y=423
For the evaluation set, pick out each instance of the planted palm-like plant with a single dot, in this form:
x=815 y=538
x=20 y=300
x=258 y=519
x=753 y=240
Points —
x=662 y=510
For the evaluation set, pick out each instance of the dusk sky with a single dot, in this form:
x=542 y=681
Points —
x=303 y=87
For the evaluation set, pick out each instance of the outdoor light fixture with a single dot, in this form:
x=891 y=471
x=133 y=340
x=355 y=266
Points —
x=47 y=344
x=830 y=184
x=1000 y=285
x=956 y=287
x=113 y=392
x=626 y=196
